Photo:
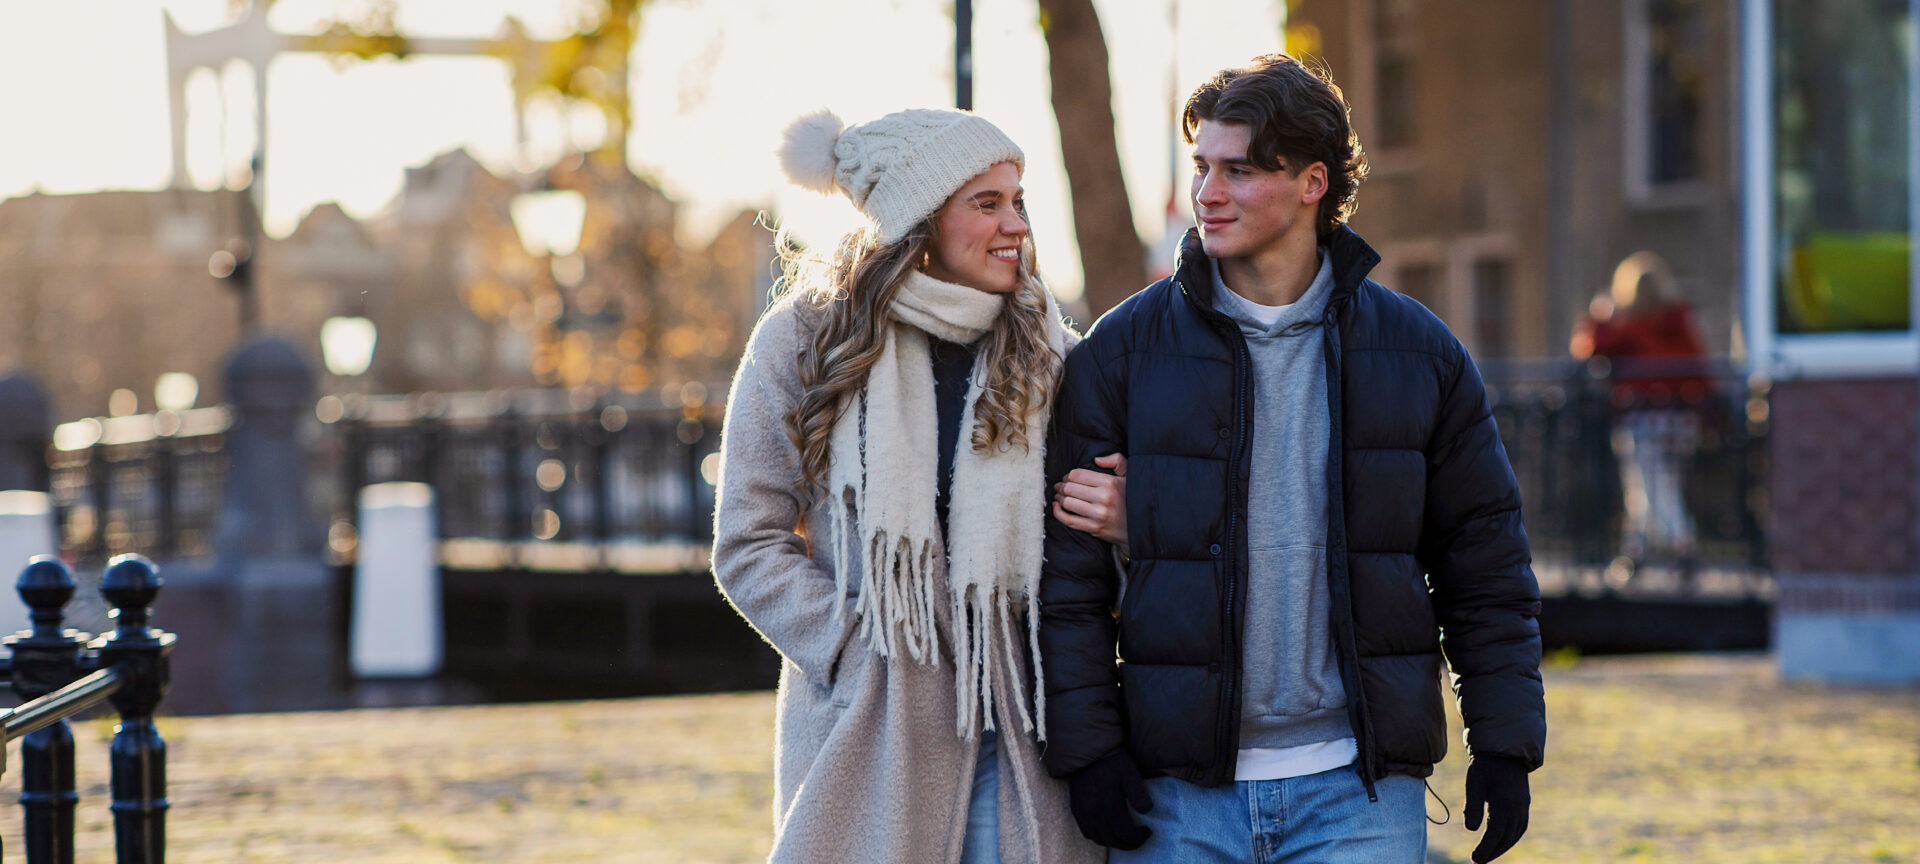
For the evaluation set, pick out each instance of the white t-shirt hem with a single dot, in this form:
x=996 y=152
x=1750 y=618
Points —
x=1279 y=763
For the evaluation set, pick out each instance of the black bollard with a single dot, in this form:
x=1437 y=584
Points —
x=139 y=756
x=46 y=659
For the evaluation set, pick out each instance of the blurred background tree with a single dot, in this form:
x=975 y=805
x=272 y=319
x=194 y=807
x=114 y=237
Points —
x=588 y=65
x=1111 y=255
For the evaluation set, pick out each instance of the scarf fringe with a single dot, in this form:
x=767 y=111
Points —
x=881 y=521
x=896 y=605
x=989 y=618
x=896 y=610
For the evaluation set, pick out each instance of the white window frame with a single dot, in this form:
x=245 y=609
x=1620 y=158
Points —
x=1807 y=355
x=1637 y=132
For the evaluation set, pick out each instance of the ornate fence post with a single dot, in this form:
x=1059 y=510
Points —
x=139 y=756
x=45 y=660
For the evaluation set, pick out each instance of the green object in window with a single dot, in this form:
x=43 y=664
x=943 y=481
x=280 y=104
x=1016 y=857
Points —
x=1849 y=280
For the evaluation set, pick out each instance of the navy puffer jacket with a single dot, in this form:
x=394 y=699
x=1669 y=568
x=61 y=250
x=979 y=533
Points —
x=1426 y=550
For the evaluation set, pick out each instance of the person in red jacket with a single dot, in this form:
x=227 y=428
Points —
x=1657 y=359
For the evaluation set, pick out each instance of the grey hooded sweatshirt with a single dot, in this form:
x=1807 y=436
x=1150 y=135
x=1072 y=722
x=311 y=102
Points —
x=1290 y=674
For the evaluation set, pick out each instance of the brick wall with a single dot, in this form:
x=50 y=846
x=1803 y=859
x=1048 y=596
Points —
x=1846 y=477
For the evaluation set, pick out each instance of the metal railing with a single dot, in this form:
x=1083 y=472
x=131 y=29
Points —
x=547 y=469
x=1561 y=420
x=152 y=482
x=61 y=673
x=553 y=479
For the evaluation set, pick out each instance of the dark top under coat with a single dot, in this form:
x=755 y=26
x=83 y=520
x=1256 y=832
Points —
x=952 y=374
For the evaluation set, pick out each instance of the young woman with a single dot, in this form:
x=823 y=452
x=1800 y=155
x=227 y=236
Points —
x=881 y=505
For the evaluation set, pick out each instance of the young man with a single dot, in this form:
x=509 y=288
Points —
x=1318 y=505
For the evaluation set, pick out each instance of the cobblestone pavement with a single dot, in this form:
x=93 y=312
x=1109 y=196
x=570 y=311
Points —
x=1681 y=758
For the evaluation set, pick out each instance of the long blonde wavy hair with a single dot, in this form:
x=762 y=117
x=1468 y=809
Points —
x=855 y=291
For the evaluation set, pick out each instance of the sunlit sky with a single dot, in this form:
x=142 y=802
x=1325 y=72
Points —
x=83 y=99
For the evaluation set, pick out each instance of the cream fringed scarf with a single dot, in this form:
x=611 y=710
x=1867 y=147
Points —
x=882 y=477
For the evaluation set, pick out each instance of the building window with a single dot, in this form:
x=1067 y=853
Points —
x=1395 y=87
x=1676 y=65
x=1829 y=104
x=1492 y=297
x=1841 y=199
x=1665 y=81
x=1422 y=283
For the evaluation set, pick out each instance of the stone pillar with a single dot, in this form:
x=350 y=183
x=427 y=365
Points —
x=266 y=514
x=269 y=543
x=27 y=525
x=1845 y=539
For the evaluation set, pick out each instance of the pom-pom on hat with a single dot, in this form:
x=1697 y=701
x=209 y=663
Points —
x=897 y=169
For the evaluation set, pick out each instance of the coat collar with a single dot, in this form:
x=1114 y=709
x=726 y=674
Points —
x=1352 y=257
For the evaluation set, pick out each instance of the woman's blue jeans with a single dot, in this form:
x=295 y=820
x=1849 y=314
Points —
x=982 y=843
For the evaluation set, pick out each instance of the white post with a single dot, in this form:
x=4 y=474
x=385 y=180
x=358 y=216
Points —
x=396 y=630
x=26 y=530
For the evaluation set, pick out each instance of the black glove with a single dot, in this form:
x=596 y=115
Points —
x=1100 y=794
x=1499 y=783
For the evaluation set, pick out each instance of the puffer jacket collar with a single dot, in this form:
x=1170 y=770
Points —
x=1353 y=259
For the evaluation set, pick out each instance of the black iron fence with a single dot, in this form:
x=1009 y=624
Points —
x=538 y=466
x=541 y=465
x=548 y=505
x=557 y=470
x=1569 y=428
x=152 y=482
x=60 y=673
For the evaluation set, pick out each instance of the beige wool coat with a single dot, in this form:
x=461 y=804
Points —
x=867 y=764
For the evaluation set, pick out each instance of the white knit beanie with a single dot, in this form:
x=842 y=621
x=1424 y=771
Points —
x=898 y=169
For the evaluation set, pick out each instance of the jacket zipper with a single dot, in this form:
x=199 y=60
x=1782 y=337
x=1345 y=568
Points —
x=1336 y=507
x=1230 y=635
x=1226 y=731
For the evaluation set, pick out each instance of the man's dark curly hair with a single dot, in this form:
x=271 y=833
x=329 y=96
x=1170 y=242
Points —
x=1297 y=116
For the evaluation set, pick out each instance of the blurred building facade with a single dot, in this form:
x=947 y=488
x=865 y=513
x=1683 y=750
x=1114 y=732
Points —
x=1521 y=151
x=107 y=291
x=1765 y=150
x=113 y=289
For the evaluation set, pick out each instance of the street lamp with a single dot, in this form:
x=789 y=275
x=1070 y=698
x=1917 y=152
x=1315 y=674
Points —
x=346 y=343
x=549 y=221
x=175 y=391
x=963 y=55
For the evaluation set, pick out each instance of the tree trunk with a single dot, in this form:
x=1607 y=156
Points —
x=1110 y=250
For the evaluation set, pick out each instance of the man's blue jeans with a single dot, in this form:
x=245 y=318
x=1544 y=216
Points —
x=1322 y=818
